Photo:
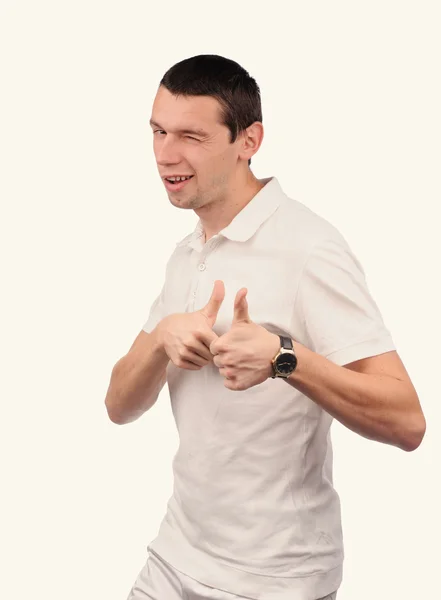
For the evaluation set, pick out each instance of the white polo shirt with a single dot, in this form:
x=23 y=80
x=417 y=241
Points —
x=253 y=510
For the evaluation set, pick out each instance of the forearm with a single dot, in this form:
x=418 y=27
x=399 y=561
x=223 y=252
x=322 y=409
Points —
x=378 y=407
x=136 y=380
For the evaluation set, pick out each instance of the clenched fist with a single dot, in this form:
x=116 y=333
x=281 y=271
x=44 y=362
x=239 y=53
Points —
x=186 y=337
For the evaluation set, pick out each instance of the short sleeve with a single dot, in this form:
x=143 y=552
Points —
x=335 y=313
x=157 y=312
x=158 y=309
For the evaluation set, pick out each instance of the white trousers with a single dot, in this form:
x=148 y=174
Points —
x=158 y=580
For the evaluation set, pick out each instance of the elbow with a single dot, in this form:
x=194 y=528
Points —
x=113 y=412
x=122 y=418
x=414 y=434
x=113 y=402
x=114 y=415
x=121 y=415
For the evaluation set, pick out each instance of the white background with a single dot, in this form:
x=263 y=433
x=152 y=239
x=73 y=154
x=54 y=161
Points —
x=351 y=104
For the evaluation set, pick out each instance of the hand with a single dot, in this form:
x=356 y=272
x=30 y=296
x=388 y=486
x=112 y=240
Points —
x=244 y=353
x=186 y=337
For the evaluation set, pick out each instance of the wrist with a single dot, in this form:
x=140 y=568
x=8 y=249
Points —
x=285 y=359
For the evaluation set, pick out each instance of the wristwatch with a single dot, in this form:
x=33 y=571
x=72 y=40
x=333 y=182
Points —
x=285 y=361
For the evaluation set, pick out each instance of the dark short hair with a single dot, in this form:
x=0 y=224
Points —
x=224 y=79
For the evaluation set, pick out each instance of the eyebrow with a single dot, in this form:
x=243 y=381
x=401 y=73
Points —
x=197 y=131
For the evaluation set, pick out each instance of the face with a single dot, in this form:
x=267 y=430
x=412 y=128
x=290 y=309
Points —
x=188 y=139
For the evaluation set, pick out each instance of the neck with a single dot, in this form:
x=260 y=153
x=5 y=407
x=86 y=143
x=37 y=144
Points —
x=217 y=215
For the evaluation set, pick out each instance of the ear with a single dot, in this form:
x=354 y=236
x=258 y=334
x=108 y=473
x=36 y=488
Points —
x=252 y=139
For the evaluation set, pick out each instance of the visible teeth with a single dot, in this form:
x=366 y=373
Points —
x=178 y=178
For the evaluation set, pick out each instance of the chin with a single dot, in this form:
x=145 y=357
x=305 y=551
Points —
x=181 y=202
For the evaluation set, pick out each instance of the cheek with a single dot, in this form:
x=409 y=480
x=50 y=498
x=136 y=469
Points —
x=195 y=160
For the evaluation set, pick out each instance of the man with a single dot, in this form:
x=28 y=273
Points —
x=264 y=331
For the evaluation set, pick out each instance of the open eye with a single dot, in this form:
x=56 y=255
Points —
x=158 y=131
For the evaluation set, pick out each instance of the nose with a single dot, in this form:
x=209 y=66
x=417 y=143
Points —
x=167 y=152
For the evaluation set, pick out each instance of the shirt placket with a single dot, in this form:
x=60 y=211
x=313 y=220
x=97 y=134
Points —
x=202 y=271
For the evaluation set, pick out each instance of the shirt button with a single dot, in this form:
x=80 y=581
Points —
x=194 y=294
x=202 y=267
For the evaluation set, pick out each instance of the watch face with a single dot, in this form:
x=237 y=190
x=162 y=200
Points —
x=286 y=363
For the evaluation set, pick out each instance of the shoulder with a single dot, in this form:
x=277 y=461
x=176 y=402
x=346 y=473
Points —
x=304 y=231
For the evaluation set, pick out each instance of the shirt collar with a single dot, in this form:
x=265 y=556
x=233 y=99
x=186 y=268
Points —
x=249 y=219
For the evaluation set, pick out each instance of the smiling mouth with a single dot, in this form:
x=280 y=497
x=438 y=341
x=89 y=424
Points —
x=174 y=181
x=176 y=186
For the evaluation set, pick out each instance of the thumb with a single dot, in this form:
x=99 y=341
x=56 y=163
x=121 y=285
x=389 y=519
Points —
x=241 y=307
x=211 y=309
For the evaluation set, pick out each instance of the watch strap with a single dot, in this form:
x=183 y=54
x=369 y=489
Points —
x=286 y=342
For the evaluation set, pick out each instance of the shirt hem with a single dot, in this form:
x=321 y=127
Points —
x=197 y=565
x=364 y=349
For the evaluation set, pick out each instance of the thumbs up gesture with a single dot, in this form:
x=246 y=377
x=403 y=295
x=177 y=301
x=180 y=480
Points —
x=243 y=354
x=186 y=337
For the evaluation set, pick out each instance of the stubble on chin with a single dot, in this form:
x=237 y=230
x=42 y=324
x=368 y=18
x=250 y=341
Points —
x=190 y=203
